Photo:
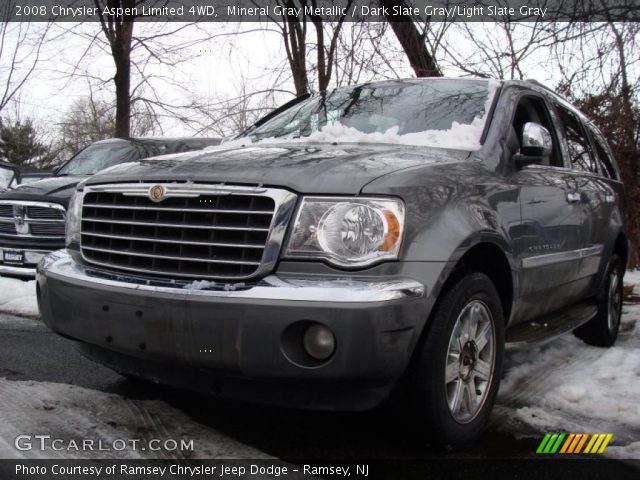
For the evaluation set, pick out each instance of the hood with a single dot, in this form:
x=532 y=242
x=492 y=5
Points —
x=56 y=189
x=303 y=168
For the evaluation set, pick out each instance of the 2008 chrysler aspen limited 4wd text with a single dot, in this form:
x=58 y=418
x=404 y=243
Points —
x=388 y=237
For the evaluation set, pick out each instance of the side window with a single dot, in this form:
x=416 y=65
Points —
x=533 y=109
x=603 y=156
x=6 y=177
x=577 y=142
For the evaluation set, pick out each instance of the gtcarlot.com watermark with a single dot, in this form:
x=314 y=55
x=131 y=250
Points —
x=47 y=442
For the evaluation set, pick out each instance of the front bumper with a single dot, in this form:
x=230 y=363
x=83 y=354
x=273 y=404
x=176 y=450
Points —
x=240 y=341
x=26 y=269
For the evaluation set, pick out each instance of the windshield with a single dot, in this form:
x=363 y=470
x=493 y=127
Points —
x=419 y=111
x=99 y=156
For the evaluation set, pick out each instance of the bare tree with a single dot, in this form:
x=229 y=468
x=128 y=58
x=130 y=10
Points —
x=294 y=31
x=412 y=38
x=21 y=45
x=90 y=119
x=600 y=69
x=118 y=30
x=146 y=56
x=366 y=52
x=501 y=49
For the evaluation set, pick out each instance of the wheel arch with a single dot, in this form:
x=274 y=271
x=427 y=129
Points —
x=490 y=254
x=489 y=258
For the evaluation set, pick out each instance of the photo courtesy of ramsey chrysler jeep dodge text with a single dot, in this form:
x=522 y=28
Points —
x=380 y=240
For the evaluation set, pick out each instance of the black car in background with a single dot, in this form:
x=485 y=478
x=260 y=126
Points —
x=9 y=176
x=32 y=214
x=31 y=176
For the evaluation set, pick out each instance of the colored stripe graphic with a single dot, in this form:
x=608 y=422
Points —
x=573 y=443
x=592 y=441
x=583 y=439
x=606 y=441
x=567 y=443
x=550 y=443
x=556 y=446
x=543 y=443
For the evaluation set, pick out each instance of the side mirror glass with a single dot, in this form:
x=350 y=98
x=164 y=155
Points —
x=536 y=140
x=536 y=144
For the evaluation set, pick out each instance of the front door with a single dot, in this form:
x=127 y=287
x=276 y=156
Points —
x=549 y=238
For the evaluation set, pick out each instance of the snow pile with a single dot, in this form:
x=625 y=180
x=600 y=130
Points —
x=459 y=136
x=566 y=385
x=74 y=413
x=199 y=285
x=18 y=297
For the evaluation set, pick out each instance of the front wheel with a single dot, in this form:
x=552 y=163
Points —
x=458 y=365
x=602 y=330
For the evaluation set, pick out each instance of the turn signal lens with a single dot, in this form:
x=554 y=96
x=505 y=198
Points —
x=392 y=236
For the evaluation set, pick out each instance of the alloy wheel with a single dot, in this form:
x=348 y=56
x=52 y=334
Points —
x=614 y=301
x=470 y=361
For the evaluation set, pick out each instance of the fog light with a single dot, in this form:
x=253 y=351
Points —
x=319 y=342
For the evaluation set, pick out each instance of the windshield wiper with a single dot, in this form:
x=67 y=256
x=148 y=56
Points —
x=273 y=113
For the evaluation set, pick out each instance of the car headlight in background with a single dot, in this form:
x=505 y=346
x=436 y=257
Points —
x=74 y=219
x=347 y=232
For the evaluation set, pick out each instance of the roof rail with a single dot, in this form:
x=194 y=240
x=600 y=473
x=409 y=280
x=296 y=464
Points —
x=540 y=84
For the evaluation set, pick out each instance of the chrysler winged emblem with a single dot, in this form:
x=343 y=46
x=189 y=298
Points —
x=157 y=193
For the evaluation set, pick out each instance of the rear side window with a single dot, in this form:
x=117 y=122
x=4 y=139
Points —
x=603 y=156
x=577 y=142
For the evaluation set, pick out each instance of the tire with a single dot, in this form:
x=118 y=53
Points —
x=439 y=395
x=602 y=330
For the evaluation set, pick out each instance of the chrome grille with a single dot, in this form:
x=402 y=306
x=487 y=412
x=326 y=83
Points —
x=8 y=228
x=197 y=231
x=47 y=229
x=45 y=213
x=6 y=211
x=31 y=219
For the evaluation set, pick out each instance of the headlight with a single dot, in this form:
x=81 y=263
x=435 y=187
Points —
x=348 y=232
x=74 y=219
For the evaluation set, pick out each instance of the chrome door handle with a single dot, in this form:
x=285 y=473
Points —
x=573 y=197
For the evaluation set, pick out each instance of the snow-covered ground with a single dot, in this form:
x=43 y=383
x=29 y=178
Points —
x=566 y=385
x=563 y=385
x=18 y=297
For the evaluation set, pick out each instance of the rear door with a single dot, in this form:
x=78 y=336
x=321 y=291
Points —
x=595 y=196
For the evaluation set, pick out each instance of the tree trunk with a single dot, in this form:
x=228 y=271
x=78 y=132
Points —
x=294 y=32
x=119 y=31
x=412 y=42
x=122 y=80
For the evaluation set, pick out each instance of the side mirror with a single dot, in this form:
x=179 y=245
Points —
x=536 y=144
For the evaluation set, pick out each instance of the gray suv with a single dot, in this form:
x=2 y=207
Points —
x=384 y=238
